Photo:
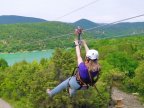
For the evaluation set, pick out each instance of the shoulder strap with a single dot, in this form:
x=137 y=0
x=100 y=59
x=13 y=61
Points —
x=74 y=70
x=92 y=80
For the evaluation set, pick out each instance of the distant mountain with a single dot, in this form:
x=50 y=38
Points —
x=85 y=24
x=100 y=30
x=12 y=19
x=109 y=30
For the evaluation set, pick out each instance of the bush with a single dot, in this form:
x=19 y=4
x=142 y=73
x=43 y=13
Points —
x=3 y=64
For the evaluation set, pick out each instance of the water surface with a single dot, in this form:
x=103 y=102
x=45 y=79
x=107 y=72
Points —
x=12 y=58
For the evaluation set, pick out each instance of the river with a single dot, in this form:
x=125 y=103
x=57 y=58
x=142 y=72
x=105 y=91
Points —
x=12 y=58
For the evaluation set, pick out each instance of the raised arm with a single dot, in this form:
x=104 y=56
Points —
x=85 y=46
x=78 y=53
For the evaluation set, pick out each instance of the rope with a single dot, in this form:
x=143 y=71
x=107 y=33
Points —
x=98 y=93
x=112 y=23
x=84 y=6
x=119 y=36
x=115 y=22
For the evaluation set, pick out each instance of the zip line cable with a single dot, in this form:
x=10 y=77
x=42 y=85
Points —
x=93 y=27
x=119 y=36
x=84 y=6
x=128 y=35
x=112 y=23
x=61 y=35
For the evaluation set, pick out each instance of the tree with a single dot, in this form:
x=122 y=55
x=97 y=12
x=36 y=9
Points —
x=3 y=64
x=124 y=62
x=138 y=79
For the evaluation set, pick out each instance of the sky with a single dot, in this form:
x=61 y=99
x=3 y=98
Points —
x=100 y=11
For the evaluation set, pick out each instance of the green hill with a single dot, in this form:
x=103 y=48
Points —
x=12 y=19
x=85 y=24
x=47 y=35
x=119 y=29
x=106 y=30
x=33 y=36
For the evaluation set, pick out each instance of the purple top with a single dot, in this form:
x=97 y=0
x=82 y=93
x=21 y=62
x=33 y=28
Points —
x=83 y=72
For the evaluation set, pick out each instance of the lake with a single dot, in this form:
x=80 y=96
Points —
x=12 y=58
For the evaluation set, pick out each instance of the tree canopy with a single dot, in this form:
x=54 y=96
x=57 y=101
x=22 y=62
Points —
x=24 y=84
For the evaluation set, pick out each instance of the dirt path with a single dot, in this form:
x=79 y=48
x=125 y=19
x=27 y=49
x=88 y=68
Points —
x=128 y=100
x=4 y=104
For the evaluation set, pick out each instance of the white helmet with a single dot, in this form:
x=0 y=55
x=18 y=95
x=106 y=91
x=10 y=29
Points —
x=92 y=54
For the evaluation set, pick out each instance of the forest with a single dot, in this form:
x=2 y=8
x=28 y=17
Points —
x=22 y=37
x=33 y=36
x=24 y=84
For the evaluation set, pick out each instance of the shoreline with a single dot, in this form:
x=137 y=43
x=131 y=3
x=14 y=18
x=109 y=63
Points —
x=25 y=51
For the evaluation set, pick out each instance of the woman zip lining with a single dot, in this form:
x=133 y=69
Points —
x=86 y=73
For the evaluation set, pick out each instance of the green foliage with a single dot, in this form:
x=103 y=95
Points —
x=106 y=73
x=138 y=79
x=48 y=35
x=26 y=83
x=3 y=64
x=63 y=62
x=34 y=36
x=139 y=55
x=124 y=62
x=12 y=19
